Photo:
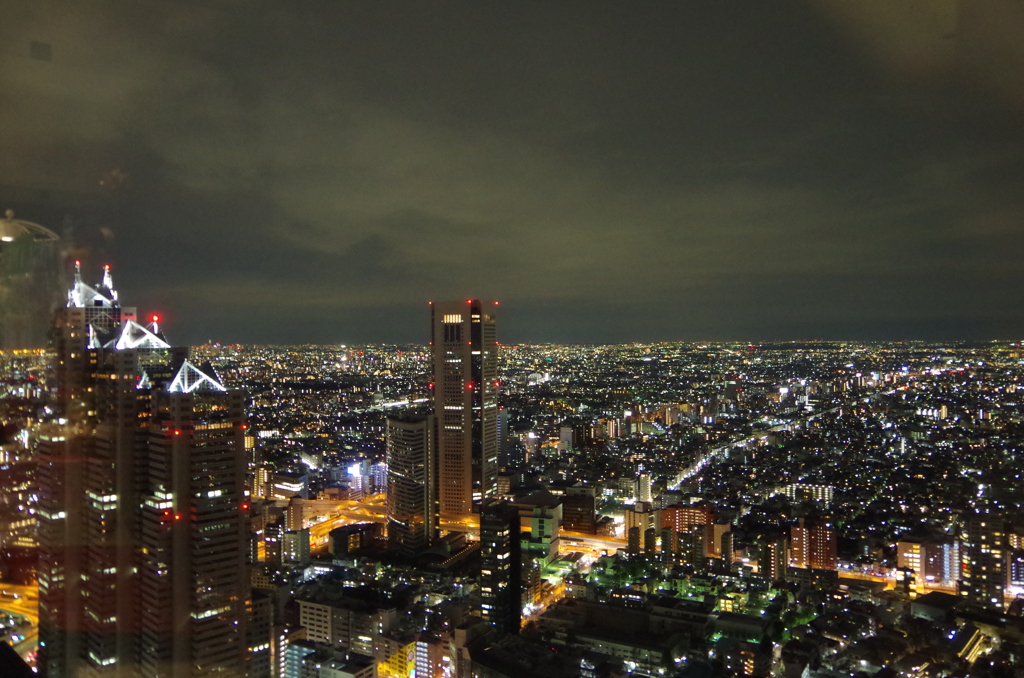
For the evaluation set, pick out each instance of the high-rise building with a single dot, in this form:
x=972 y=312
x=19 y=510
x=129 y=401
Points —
x=90 y=319
x=410 y=475
x=579 y=510
x=143 y=535
x=465 y=398
x=773 y=560
x=813 y=546
x=692 y=545
x=500 y=569
x=983 y=554
x=192 y=539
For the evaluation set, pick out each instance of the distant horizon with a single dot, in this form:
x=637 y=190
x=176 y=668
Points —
x=769 y=342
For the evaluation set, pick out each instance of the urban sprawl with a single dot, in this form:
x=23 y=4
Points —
x=467 y=508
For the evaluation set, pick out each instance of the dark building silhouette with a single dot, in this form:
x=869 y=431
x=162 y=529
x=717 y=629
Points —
x=411 y=511
x=579 y=510
x=500 y=568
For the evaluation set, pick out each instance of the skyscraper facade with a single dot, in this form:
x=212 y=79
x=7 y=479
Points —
x=465 y=398
x=500 y=567
x=142 y=504
x=410 y=482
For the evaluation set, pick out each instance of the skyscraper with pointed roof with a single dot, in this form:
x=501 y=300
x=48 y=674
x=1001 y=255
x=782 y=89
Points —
x=142 y=508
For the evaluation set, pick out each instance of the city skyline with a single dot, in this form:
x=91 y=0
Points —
x=318 y=172
x=531 y=340
x=758 y=501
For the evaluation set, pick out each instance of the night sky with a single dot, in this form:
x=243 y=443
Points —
x=314 y=172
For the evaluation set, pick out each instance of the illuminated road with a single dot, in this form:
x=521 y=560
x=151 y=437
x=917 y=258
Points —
x=597 y=543
x=26 y=605
x=890 y=582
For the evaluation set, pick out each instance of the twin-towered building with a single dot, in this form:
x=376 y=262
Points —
x=142 y=509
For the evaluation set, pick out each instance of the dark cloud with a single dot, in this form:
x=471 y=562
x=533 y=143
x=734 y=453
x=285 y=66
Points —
x=317 y=171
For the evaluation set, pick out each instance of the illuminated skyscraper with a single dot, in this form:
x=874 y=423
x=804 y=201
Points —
x=89 y=320
x=465 y=398
x=142 y=515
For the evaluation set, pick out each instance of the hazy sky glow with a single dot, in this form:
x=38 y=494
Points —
x=318 y=171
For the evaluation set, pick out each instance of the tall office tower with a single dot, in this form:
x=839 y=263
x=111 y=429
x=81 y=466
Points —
x=983 y=552
x=465 y=355
x=410 y=471
x=500 y=569
x=813 y=546
x=193 y=536
x=90 y=319
x=142 y=517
